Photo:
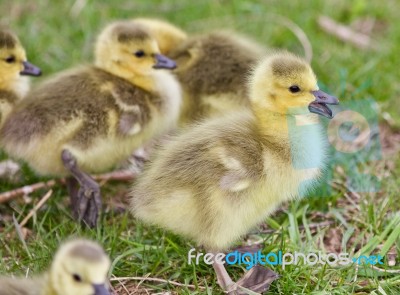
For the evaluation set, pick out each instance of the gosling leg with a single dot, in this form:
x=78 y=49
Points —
x=224 y=280
x=73 y=189
x=87 y=204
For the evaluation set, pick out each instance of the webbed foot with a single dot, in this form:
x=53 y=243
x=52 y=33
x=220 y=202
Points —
x=84 y=192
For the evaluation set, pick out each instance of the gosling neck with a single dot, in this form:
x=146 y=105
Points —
x=145 y=82
x=18 y=86
x=297 y=138
x=272 y=125
x=276 y=125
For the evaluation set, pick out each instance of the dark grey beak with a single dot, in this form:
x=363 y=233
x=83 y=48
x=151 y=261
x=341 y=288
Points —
x=30 y=69
x=100 y=289
x=319 y=105
x=164 y=62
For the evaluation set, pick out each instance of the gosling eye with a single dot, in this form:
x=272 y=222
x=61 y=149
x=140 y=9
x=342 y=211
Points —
x=139 y=53
x=10 y=59
x=294 y=88
x=77 y=278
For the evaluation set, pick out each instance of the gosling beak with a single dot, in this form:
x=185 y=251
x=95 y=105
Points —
x=164 y=62
x=319 y=105
x=100 y=289
x=30 y=69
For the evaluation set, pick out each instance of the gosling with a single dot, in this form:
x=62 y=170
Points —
x=212 y=70
x=221 y=178
x=80 y=267
x=88 y=120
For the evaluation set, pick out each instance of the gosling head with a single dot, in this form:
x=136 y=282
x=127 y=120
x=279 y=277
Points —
x=13 y=62
x=127 y=50
x=80 y=267
x=283 y=82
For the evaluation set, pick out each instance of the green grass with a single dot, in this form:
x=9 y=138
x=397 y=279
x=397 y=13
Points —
x=58 y=36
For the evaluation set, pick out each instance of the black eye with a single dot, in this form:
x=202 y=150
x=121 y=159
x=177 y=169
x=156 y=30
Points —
x=294 y=89
x=139 y=53
x=77 y=278
x=10 y=59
